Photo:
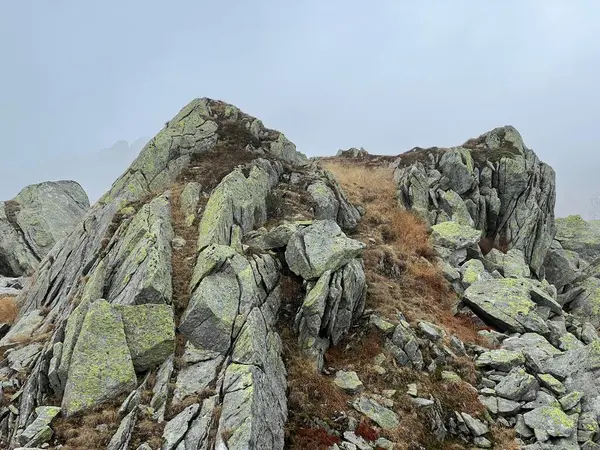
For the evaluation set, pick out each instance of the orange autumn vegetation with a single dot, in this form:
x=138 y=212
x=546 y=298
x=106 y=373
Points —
x=399 y=259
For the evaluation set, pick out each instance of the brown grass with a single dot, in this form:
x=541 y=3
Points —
x=503 y=438
x=399 y=259
x=8 y=309
x=183 y=259
x=92 y=430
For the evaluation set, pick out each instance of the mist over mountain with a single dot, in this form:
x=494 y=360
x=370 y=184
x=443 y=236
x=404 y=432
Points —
x=94 y=170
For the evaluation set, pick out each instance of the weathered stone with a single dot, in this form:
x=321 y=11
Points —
x=542 y=399
x=348 y=381
x=177 y=427
x=150 y=334
x=24 y=329
x=196 y=378
x=39 y=431
x=121 y=438
x=454 y=236
x=141 y=262
x=239 y=200
x=188 y=202
x=97 y=374
x=503 y=360
x=570 y=400
x=277 y=237
x=508 y=407
x=552 y=383
x=510 y=304
x=477 y=427
x=23 y=359
x=431 y=331
x=213 y=308
x=36 y=219
x=508 y=192
x=160 y=390
x=320 y=247
x=384 y=417
x=512 y=263
x=515 y=385
x=548 y=421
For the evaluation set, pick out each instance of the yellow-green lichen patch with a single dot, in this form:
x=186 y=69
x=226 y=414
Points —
x=101 y=367
x=150 y=333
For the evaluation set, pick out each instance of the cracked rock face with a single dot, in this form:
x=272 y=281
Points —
x=493 y=182
x=172 y=283
x=35 y=220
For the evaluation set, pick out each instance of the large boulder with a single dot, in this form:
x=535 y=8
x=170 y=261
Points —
x=150 y=334
x=35 y=220
x=577 y=235
x=320 y=247
x=511 y=304
x=101 y=367
x=493 y=181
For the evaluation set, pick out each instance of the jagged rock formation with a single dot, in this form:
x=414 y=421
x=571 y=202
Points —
x=35 y=220
x=195 y=239
x=572 y=265
x=543 y=379
x=493 y=183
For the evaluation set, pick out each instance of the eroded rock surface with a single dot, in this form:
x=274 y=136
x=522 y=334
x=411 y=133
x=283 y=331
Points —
x=35 y=220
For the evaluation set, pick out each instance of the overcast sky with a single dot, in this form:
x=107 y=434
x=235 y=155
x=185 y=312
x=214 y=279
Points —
x=388 y=75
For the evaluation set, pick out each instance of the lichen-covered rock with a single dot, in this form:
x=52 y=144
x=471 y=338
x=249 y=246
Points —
x=24 y=329
x=512 y=264
x=121 y=252
x=101 y=367
x=507 y=191
x=39 y=431
x=121 y=438
x=473 y=271
x=382 y=416
x=454 y=236
x=36 y=219
x=549 y=421
x=562 y=266
x=503 y=360
x=579 y=236
x=150 y=333
x=141 y=262
x=194 y=379
x=320 y=247
x=516 y=385
x=188 y=202
x=510 y=304
x=213 y=308
x=178 y=426
x=348 y=381
x=330 y=307
x=237 y=200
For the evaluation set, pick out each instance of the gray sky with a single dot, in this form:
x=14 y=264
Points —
x=387 y=75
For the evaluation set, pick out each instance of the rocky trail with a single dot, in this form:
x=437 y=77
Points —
x=229 y=293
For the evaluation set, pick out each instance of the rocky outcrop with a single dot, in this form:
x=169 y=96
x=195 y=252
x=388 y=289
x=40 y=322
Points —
x=494 y=183
x=175 y=276
x=35 y=220
x=573 y=266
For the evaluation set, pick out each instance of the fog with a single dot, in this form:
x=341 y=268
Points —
x=78 y=77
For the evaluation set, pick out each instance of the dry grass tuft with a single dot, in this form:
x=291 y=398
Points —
x=503 y=438
x=8 y=309
x=92 y=430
